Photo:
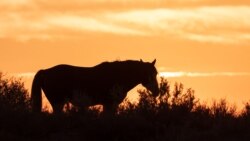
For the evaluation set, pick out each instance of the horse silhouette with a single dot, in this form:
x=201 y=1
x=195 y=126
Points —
x=106 y=84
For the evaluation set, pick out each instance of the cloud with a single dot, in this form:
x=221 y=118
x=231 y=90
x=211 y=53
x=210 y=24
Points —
x=224 y=24
x=201 y=74
x=24 y=74
x=53 y=26
x=47 y=20
x=107 y=5
x=90 y=24
x=219 y=38
x=15 y=2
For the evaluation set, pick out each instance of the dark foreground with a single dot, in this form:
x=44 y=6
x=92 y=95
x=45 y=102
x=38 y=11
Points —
x=173 y=116
x=173 y=126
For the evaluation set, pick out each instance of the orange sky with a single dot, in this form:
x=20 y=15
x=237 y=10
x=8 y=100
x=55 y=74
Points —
x=203 y=43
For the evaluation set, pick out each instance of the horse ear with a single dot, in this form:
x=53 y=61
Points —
x=153 y=62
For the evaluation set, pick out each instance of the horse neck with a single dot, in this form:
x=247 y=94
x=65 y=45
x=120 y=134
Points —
x=131 y=79
x=125 y=74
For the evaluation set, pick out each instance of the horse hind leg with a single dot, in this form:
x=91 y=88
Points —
x=109 y=109
x=58 y=107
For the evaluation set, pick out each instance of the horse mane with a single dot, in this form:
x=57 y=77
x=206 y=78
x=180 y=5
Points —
x=118 y=62
x=127 y=69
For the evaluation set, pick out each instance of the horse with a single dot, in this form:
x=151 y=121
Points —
x=105 y=84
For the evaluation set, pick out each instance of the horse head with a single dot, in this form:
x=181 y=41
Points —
x=149 y=78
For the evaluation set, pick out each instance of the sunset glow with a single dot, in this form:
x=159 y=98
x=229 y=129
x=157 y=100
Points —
x=203 y=43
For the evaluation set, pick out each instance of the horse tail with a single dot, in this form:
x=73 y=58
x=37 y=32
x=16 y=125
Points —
x=36 y=92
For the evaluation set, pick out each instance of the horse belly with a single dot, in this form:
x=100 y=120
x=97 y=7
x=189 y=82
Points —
x=81 y=98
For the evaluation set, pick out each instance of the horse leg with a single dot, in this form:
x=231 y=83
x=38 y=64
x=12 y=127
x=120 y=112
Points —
x=109 y=109
x=58 y=107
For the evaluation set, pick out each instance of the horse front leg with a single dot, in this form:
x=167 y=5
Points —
x=110 y=109
x=58 y=107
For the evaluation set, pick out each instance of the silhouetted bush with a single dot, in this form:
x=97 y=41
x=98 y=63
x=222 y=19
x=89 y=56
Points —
x=246 y=110
x=178 y=101
x=176 y=114
x=13 y=95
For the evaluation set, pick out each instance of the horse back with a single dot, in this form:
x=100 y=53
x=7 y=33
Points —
x=70 y=77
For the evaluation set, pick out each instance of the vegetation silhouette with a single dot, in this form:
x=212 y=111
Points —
x=13 y=95
x=175 y=115
x=77 y=85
